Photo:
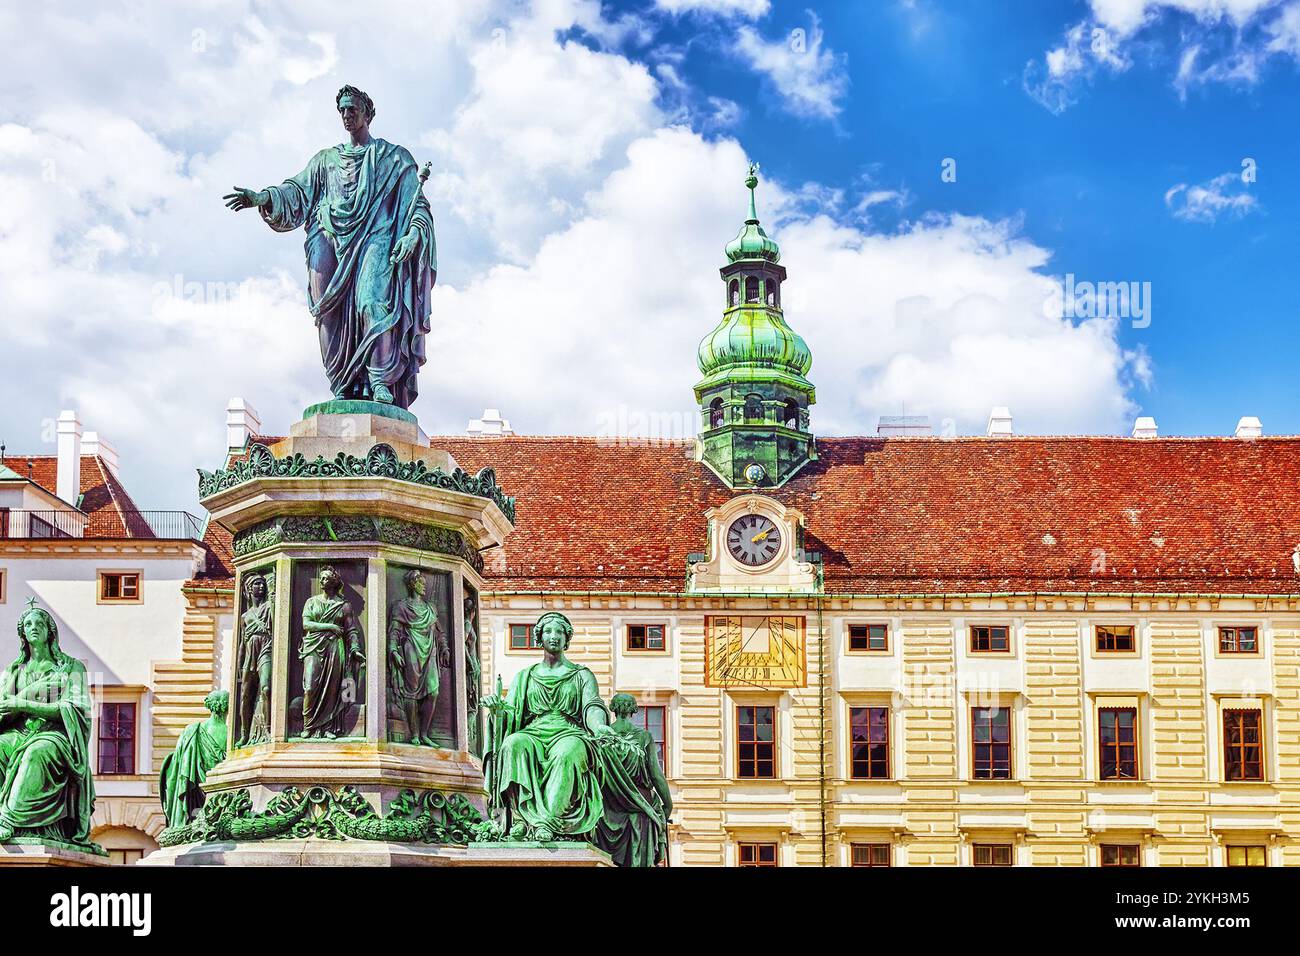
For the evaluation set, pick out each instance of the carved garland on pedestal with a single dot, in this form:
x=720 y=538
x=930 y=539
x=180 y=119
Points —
x=358 y=528
x=380 y=462
x=429 y=817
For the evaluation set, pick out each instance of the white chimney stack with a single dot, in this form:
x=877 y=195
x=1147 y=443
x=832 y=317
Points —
x=1000 y=422
x=242 y=423
x=1145 y=427
x=94 y=445
x=491 y=425
x=1249 y=427
x=67 y=482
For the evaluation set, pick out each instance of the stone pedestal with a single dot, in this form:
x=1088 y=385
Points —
x=45 y=854
x=368 y=853
x=354 y=487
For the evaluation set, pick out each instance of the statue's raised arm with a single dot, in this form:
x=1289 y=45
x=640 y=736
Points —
x=371 y=255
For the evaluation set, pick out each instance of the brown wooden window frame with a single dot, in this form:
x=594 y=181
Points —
x=1231 y=849
x=1111 y=634
x=870 y=855
x=1120 y=855
x=992 y=854
x=1230 y=640
x=755 y=850
x=868 y=634
x=111 y=720
x=992 y=772
x=529 y=643
x=1237 y=755
x=645 y=639
x=129 y=587
x=1121 y=751
x=987 y=638
x=877 y=767
x=642 y=719
x=749 y=753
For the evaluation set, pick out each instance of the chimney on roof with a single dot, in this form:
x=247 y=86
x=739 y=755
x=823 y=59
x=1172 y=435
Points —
x=1249 y=427
x=67 y=481
x=1145 y=427
x=1000 y=422
x=491 y=425
x=92 y=444
x=242 y=423
x=898 y=426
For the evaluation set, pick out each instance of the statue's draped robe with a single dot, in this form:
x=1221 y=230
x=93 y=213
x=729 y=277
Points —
x=546 y=766
x=254 y=660
x=198 y=750
x=413 y=665
x=357 y=202
x=47 y=785
x=633 y=830
x=325 y=664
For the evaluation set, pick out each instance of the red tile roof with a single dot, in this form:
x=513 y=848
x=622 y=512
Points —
x=916 y=515
x=112 y=511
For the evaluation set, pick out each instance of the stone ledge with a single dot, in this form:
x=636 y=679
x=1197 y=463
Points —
x=44 y=854
x=316 y=852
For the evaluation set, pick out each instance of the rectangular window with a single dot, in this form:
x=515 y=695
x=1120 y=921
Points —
x=756 y=740
x=1117 y=743
x=1115 y=639
x=1247 y=856
x=645 y=637
x=869 y=742
x=991 y=736
x=1238 y=640
x=1243 y=745
x=991 y=854
x=4 y=583
x=868 y=637
x=1120 y=854
x=757 y=854
x=116 y=738
x=123 y=586
x=869 y=854
x=990 y=640
x=654 y=720
x=521 y=637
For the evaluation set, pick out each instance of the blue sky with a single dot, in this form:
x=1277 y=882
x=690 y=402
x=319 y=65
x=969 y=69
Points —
x=588 y=163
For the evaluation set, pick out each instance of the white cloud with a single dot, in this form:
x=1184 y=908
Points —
x=1218 y=41
x=579 y=235
x=753 y=9
x=1225 y=195
x=811 y=78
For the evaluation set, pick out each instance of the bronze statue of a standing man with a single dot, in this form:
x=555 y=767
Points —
x=371 y=255
x=331 y=652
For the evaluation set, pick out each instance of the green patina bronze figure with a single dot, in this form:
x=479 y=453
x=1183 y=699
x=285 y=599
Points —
x=201 y=747
x=473 y=674
x=253 y=664
x=634 y=829
x=333 y=658
x=47 y=790
x=543 y=768
x=416 y=649
x=371 y=255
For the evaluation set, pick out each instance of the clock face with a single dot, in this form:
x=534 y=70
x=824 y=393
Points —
x=753 y=540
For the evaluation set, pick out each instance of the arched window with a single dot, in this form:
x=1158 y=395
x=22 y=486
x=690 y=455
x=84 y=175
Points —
x=773 y=293
x=733 y=292
x=753 y=408
x=717 y=416
x=751 y=289
x=791 y=416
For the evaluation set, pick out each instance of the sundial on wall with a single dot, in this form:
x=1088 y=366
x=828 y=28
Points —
x=765 y=650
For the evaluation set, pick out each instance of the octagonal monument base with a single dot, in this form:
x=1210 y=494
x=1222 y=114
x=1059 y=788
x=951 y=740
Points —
x=317 y=852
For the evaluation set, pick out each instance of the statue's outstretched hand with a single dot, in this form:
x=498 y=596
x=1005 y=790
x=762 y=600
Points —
x=243 y=198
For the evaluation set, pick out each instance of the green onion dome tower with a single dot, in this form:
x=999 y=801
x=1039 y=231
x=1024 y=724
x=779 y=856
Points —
x=755 y=394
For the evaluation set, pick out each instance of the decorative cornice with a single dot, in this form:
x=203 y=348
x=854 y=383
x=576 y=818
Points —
x=380 y=462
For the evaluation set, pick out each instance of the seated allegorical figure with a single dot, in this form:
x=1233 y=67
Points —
x=46 y=787
x=201 y=747
x=542 y=767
